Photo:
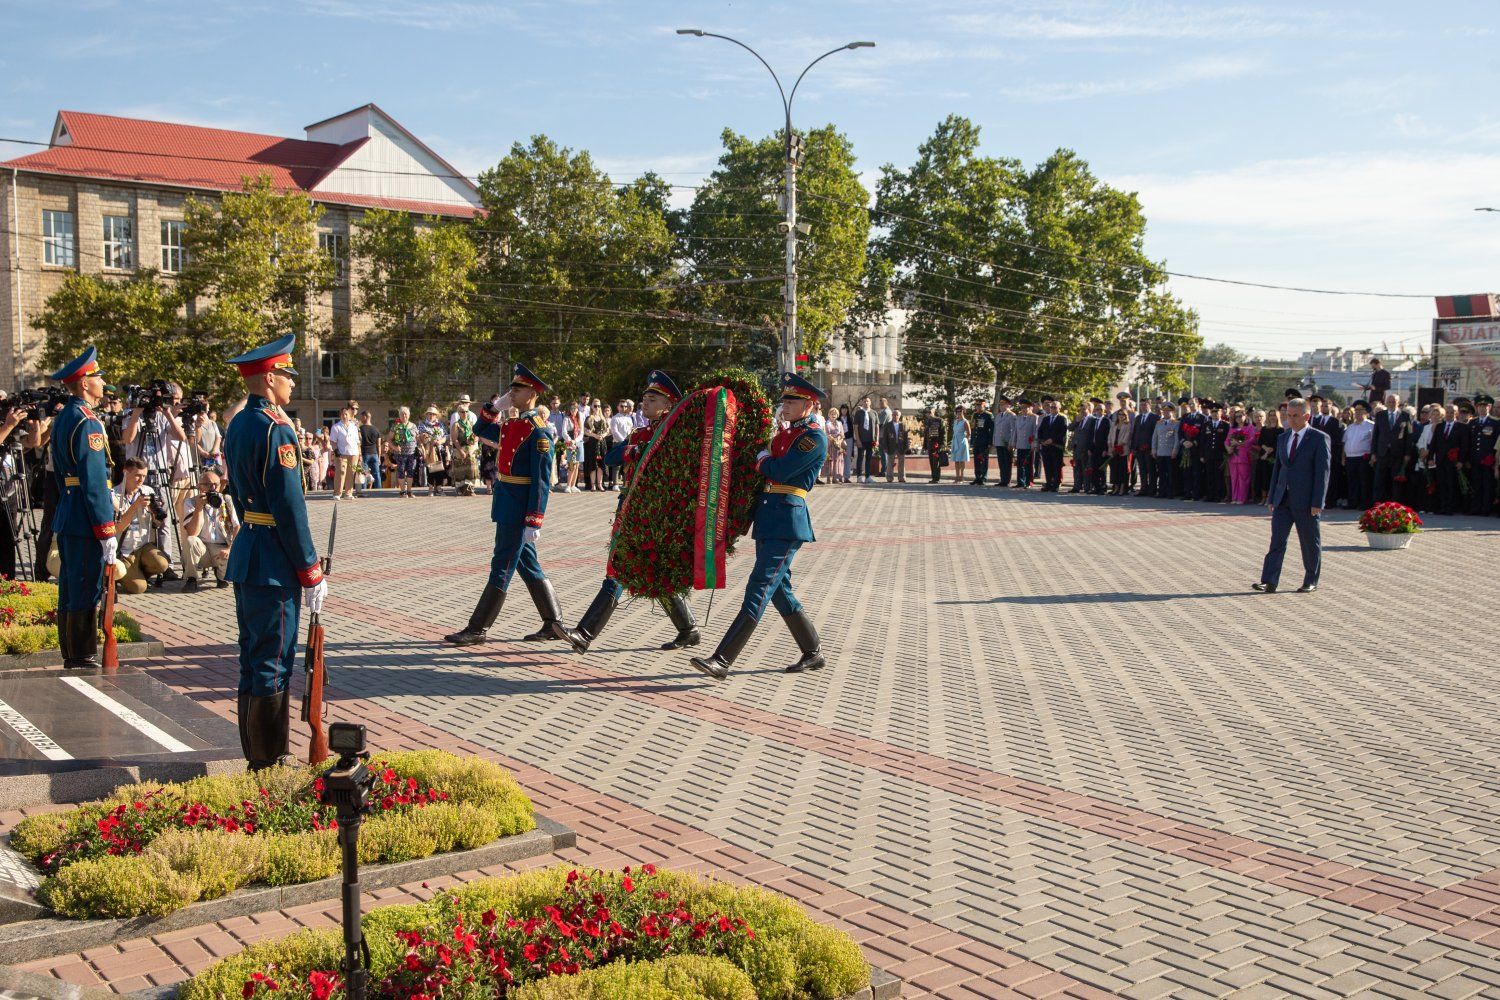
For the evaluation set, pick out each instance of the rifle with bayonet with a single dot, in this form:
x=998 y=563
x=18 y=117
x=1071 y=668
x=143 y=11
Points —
x=315 y=676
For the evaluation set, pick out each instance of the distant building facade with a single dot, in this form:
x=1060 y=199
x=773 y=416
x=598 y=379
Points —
x=106 y=197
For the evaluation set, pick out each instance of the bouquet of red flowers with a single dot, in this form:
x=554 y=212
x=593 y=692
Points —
x=694 y=489
x=1390 y=519
x=1119 y=449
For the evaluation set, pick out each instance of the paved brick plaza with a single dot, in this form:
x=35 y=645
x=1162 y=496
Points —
x=1060 y=749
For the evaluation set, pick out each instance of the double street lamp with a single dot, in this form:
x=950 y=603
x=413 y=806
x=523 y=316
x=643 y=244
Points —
x=791 y=340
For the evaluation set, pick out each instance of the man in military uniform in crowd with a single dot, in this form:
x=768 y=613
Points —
x=933 y=437
x=1485 y=428
x=981 y=432
x=1193 y=483
x=660 y=395
x=84 y=524
x=1213 y=447
x=524 y=464
x=791 y=467
x=272 y=561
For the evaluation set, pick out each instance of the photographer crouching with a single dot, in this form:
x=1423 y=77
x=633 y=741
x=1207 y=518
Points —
x=141 y=520
x=209 y=524
x=159 y=430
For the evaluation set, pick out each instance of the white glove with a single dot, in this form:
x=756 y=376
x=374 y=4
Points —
x=312 y=597
x=111 y=549
x=764 y=454
x=530 y=535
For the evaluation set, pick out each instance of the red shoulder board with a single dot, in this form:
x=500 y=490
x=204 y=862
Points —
x=783 y=441
x=88 y=412
x=277 y=417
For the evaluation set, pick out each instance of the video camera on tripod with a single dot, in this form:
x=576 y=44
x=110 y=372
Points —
x=154 y=395
x=346 y=787
x=36 y=403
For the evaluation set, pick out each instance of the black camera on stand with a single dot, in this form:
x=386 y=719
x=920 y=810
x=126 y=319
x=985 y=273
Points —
x=346 y=787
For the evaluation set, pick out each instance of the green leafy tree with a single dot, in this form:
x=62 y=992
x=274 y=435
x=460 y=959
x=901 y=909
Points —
x=416 y=286
x=1033 y=281
x=733 y=234
x=134 y=322
x=253 y=269
x=575 y=271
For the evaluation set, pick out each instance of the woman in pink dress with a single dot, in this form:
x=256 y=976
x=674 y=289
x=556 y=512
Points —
x=1242 y=437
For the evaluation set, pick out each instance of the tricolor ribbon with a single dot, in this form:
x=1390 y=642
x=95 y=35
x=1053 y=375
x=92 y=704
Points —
x=715 y=462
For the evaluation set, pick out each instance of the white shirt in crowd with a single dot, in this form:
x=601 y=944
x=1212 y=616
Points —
x=159 y=448
x=620 y=426
x=345 y=438
x=139 y=531
x=1358 y=438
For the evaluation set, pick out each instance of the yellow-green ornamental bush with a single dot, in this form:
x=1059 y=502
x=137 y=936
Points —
x=28 y=619
x=117 y=887
x=681 y=977
x=206 y=837
x=307 y=949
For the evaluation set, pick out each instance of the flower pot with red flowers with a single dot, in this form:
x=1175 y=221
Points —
x=1389 y=525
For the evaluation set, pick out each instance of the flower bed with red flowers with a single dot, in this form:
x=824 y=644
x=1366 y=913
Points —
x=1390 y=519
x=150 y=849
x=28 y=618
x=652 y=551
x=559 y=934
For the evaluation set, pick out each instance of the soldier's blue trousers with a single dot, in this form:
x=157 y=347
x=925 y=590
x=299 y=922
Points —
x=268 y=636
x=512 y=554
x=80 y=573
x=771 y=578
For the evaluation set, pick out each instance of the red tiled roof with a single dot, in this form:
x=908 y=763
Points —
x=192 y=156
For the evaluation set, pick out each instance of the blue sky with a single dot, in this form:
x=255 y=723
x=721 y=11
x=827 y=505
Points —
x=1335 y=145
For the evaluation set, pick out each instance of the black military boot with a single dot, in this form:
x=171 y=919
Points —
x=545 y=599
x=480 y=621
x=594 y=619
x=83 y=641
x=242 y=717
x=802 y=630
x=682 y=620
x=266 y=727
x=65 y=636
x=717 y=666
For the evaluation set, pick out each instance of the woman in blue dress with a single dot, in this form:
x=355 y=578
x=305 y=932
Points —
x=959 y=450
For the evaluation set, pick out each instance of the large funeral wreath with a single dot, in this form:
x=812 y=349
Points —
x=694 y=489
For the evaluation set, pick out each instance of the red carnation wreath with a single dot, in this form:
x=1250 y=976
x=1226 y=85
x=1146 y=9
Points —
x=694 y=489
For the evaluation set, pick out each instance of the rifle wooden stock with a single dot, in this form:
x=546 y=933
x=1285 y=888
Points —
x=111 y=654
x=312 y=697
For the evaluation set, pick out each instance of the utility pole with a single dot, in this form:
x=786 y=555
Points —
x=791 y=338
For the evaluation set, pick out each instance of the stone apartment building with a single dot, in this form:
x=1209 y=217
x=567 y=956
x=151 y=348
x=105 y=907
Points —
x=106 y=197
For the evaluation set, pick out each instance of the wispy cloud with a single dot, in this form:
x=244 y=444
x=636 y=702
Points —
x=1094 y=21
x=429 y=15
x=1173 y=77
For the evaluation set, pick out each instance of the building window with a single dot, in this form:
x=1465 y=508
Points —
x=330 y=364
x=336 y=246
x=119 y=243
x=58 y=239
x=331 y=417
x=173 y=253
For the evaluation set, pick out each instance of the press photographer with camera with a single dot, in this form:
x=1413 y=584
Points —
x=154 y=432
x=141 y=525
x=13 y=492
x=209 y=524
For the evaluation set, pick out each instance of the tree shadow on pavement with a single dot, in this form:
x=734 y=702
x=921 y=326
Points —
x=1114 y=597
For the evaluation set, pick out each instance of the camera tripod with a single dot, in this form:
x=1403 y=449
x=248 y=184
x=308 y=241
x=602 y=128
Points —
x=159 y=468
x=16 y=495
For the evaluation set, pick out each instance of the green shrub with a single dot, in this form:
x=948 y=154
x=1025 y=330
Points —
x=302 y=857
x=306 y=950
x=20 y=639
x=388 y=839
x=471 y=780
x=681 y=977
x=458 y=826
x=35 y=836
x=117 y=887
x=219 y=862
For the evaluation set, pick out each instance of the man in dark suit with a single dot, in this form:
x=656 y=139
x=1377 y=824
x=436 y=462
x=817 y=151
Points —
x=1099 y=448
x=1484 y=430
x=1192 y=447
x=1212 y=450
x=1051 y=437
x=1141 y=430
x=1452 y=445
x=1299 y=489
x=865 y=427
x=893 y=447
x=1393 y=436
x=1325 y=418
x=981 y=432
x=1083 y=441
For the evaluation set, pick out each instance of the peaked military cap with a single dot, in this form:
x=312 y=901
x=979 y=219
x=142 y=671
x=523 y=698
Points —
x=1184 y=400
x=1293 y=394
x=797 y=387
x=1048 y=399
x=86 y=363
x=275 y=356
x=1360 y=404
x=1485 y=398
x=661 y=383
x=525 y=378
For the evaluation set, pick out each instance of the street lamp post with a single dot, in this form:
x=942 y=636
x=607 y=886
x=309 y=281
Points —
x=791 y=337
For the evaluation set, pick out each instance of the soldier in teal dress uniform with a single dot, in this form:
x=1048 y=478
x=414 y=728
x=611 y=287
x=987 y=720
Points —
x=660 y=395
x=84 y=523
x=791 y=467
x=272 y=562
x=524 y=461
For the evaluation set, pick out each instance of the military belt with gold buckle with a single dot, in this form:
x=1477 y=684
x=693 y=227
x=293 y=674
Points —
x=795 y=491
x=72 y=481
x=515 y=480
x=256 y=517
